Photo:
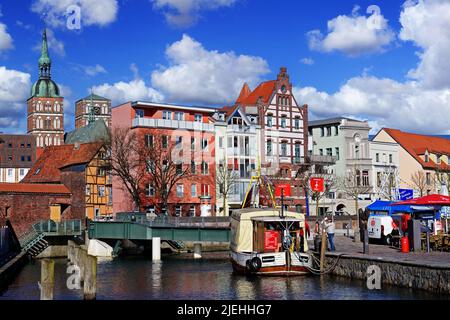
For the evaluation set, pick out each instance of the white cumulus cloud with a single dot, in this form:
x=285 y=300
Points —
x=14 y=91
x=196 y=75
x=93 y=12
x=133 y=90
x=427 y=25
x=184 y=13
x=419 y=104
x=353 y=35
x=6 y=41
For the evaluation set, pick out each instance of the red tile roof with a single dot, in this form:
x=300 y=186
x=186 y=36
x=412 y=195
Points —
x=245 y=92
x=228 y=110
x=417 y=144
x=33 y=188
x=264 y=90
x=47 y=167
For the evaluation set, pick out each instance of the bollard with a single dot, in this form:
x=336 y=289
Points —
x=366 y=242
x=90 y=278
x=197 y=250
x=156 y=249
x=47 y=279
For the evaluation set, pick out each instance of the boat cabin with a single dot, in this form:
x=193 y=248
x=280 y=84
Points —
x=264 y=231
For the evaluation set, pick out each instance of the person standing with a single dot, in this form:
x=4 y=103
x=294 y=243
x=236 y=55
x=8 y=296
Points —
x=330 y=229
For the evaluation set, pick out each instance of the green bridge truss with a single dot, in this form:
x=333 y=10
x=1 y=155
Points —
x=196 y=231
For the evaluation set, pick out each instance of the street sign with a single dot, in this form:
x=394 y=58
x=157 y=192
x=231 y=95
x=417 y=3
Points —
x=317 y=184
x=405 y=194
x=286 y=190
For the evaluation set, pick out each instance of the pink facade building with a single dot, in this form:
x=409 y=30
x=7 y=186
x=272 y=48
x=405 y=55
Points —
x=192 y=129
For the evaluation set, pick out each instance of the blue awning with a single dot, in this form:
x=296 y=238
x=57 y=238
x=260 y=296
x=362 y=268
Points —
x=380 y=206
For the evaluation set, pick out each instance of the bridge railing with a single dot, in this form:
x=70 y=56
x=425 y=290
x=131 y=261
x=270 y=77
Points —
x=165 y=221
x=63 y=228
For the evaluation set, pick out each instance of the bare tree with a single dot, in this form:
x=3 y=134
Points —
x=126 y=163
x=225 y=180
x=166 y=165
x=353 y=185
x=388 y=182
x=147 y=159
x=419 y=182
x=443 y=178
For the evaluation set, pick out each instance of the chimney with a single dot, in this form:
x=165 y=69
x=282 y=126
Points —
x=76 y=146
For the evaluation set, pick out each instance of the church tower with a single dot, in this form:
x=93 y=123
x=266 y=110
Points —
x=45 y=106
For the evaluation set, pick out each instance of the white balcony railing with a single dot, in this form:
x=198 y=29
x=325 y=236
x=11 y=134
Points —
x=172 y=124
x=241 y=129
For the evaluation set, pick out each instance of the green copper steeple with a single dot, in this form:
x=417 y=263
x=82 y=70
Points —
x=45 y=86
x=45 y=63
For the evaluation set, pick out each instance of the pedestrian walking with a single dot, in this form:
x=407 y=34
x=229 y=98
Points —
x=330 y=229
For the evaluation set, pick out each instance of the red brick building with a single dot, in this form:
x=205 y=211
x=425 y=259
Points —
x=45 y=118
x=17 y=155
x=192 y=130
x=79 y=168
x=25 y=204
x=92 y=108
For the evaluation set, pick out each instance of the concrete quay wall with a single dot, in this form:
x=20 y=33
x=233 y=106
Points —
x=397 y=273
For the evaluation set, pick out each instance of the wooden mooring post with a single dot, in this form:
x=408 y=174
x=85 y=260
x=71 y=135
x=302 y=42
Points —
x=90 y=278
x=47 y=283
x=323 y=248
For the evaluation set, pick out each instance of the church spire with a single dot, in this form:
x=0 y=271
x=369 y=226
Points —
x=45 y=62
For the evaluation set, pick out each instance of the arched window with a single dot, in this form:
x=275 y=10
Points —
x=56 y=141
x=39 y=123
x=56 y=107
x=48 y=107
x=40 y=141
x=48 y=123
x=47 y=141
x=56 y=123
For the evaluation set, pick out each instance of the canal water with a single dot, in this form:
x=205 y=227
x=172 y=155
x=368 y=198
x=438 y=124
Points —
x=178 y=277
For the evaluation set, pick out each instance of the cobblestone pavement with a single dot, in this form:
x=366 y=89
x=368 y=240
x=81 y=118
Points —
x=346 y=246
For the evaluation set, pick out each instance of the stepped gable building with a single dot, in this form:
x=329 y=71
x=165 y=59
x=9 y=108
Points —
x=92 y=108
x=46 y=106
x=284 y=130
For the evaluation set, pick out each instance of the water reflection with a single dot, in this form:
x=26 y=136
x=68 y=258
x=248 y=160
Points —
x=175 y=278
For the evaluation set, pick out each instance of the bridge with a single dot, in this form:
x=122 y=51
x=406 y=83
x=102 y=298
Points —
x=139 y=227
x=130 y=226
x=34 y=241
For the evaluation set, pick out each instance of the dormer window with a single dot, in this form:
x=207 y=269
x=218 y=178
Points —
x=438 y=157
x=427 y=157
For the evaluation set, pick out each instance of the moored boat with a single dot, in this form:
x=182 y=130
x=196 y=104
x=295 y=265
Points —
x=263 y=242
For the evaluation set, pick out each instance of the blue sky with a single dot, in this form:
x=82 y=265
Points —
x=201 y=51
